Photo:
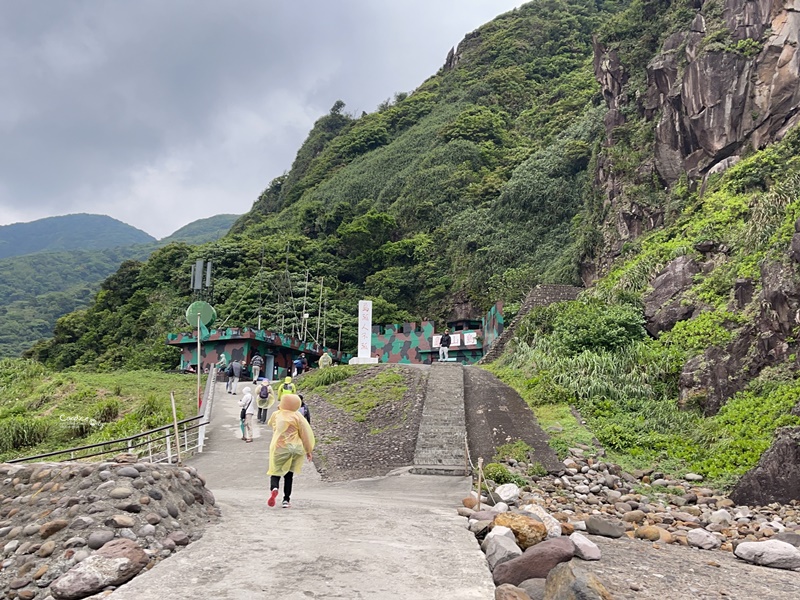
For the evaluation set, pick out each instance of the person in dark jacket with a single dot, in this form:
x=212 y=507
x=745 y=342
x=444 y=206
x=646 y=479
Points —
x=256 y=365
x=444 y=345
x=304 y=410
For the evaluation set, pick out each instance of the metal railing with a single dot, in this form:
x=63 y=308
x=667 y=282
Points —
x=162 y=444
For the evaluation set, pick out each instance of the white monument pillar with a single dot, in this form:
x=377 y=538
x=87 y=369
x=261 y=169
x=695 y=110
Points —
x=364 y=335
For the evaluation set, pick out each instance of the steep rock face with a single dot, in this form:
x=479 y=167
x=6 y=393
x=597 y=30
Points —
x=725 y=101
x=664 y=307
x=718 y=373
x=710 y=101
x=776 y=478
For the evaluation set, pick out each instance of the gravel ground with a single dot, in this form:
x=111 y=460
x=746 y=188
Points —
x=386 y=440
x=637 y=569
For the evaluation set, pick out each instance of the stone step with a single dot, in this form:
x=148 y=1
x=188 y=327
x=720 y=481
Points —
x=453 y=471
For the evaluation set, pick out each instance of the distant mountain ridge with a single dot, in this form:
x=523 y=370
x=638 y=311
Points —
x=202 y=230
x=47 y=282
x=69 y=232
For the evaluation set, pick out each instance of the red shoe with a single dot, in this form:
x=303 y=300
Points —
x=272 y=496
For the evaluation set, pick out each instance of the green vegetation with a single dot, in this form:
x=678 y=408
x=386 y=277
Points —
x=592 y=353
x=324 y=377
x=519 y=451
x=202 y=230
x=69 y=232
x=500 y=475
x=360 y=397
x=42 y=411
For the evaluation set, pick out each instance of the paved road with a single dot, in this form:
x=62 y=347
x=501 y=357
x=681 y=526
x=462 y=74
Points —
x=389 y=537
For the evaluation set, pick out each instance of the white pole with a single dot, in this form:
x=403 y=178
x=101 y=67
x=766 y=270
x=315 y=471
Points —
x=303 y=327
x=199 y=368
x=319 y=308
x=175 y=423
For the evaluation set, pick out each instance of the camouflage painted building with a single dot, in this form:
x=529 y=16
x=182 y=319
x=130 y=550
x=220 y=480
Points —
x=412 y=343
x=242 y=343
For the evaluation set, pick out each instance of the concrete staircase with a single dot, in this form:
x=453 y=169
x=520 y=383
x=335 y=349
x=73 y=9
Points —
x=443 y=429
x=541 y=295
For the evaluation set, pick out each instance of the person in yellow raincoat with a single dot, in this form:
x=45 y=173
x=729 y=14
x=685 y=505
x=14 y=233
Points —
x=292 y=442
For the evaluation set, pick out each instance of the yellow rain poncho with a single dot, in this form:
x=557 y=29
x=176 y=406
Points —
x=292 y=437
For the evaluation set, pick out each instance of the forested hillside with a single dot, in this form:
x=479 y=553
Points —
x=643 y=147
x=37 y=289
x=68 y=232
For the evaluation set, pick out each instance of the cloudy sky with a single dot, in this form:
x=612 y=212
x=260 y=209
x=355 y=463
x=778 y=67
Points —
x=159 y=112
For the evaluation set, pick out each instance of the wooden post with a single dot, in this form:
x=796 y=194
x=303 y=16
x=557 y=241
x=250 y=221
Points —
x=175 y=424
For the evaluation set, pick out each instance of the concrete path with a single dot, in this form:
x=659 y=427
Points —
x=389 y=537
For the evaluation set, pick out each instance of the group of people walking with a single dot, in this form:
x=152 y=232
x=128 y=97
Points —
x=292 y=437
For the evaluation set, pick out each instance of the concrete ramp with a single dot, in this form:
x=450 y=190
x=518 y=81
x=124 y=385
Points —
x=441 y=446
x=497 y=415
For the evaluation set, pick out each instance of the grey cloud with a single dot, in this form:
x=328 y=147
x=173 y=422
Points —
x=161 y=112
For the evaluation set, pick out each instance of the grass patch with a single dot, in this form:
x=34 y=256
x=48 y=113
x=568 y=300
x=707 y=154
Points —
x=361 y=397
x=325 y=377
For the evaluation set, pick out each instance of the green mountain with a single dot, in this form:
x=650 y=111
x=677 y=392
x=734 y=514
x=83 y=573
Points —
x=202 y=230
x=68 y=232
x=38 y=288
x=645 y=148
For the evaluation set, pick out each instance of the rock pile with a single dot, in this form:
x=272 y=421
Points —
x=70 y=530
x=527 y=532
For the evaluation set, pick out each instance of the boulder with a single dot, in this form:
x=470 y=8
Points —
x=771 y=553
x=534 y=588
x=700 y=538
x=500 y=549
x=599 y=526
x=510 y=592
x=508 y=492
x=535 y=563
x=115 y=563
x=498 y=531
x=553 y=526
x=776 y=477
x=585 y=549
x=527 y=530
x=568 y=581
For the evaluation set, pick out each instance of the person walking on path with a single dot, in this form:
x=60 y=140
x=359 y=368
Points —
x=287 y=387
x=304 y=410
x=325 y=360
x=256 y=365
x=235 y=369
x=248 y=410
x=265 y=398
x=292 y=443
x=444 y=345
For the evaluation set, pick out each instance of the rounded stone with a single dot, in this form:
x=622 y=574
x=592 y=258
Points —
x=147 y=530
x=30 y=529
x=172 y=510
x=97 y=539
x=120 y=521
x=153 y=518
x=131 y=472
x=120 y=492
x=46 y=549
x=52 y=527
x=75 y=542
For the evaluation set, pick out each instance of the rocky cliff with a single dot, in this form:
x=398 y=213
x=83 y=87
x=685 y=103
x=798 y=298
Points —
x=727 y=85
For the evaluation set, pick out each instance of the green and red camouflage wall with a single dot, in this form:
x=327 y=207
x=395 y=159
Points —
x=241 y=343
x=412 y=343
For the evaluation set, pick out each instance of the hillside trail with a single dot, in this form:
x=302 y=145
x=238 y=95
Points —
x=384 y=537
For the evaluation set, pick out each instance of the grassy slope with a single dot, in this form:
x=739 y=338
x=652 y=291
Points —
x=41 y=411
